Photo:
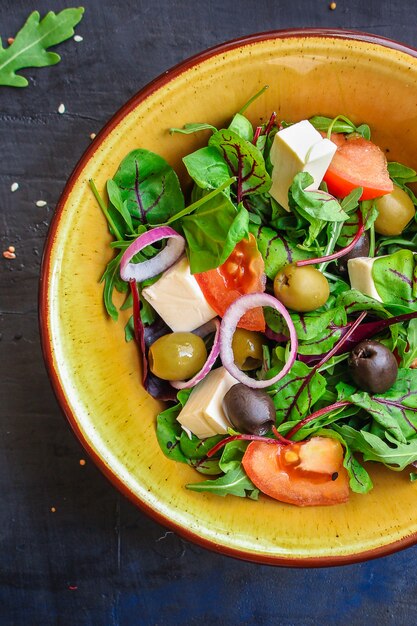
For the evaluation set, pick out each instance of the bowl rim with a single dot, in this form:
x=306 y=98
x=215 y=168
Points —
x=43 y=298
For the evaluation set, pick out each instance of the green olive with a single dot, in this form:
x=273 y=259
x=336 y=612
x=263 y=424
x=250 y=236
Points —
x=247 y=349
x=302 y=288
x=395 y=210
x=177 y=356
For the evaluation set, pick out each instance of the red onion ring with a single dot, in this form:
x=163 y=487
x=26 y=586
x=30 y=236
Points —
x=159 y=263
x=228 y=327
x=214 y=353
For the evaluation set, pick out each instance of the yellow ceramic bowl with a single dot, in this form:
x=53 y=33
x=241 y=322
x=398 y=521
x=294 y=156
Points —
x=96 y=375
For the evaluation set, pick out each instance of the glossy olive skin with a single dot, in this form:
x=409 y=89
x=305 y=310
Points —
x=301 y=289
x=396 y=210
x=177 y=356
x=372 y=366
x=361 y=248
x=247 y=349
x=250 y=411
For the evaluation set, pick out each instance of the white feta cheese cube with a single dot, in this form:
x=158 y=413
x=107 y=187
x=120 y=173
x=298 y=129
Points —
x=178 y=299
x=360 y=276
x=298 y=148
x=203 y=413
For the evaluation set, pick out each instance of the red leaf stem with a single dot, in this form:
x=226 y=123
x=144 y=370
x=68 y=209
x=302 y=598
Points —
x=316 y=415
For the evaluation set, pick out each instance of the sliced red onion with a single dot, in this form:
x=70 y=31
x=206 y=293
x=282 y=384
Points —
x=228 y=327
x=209 y=327
x=159 y=263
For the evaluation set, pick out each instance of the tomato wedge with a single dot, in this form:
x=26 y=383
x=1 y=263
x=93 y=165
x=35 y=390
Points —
x=241 y=273
x=309 y=473
x=357 y=163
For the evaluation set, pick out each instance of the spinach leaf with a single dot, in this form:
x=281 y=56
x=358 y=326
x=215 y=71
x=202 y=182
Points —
x=212 y=232
x=209 y=467
x=149 y=187
x=232 y=455
x=168 y=433
x=276 y=249
x=207 y=168
x=234 y=482
x=389 y=451
x=394 y=278
x=196 y=448
x=245 y=162
x=30 y=45
x=242 y=127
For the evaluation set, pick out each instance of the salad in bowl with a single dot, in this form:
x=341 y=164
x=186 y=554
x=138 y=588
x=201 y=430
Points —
x=274 y=304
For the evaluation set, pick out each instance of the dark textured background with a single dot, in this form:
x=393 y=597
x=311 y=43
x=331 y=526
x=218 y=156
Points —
x=96 y=559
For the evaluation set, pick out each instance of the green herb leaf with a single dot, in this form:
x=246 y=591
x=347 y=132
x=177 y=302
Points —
x=112 y=281
x=189 y=129
x=149 y=187
x=393 y=277
x=212 y=232
x=245 y=162
x=242 y=127
x=390 y=452
x=29 y=48
x=207 y=168
x=277 y=250
x=168 y=433
x=234 y=483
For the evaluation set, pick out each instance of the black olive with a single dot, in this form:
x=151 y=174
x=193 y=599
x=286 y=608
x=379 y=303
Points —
x=361 y=248
x=249 y=410
x=372 y=366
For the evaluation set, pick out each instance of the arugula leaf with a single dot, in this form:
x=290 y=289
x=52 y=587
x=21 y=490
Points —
x=359 y=479
x=149 y=187
x=277 y=250
x=245 y=162
x=207 y=168
x=112 y=281
x=213 y=231
x=29 y=48
x=234 y=482
x=396 y=409
x=116 y=200
x=401 y=175
x=394 y=454
x=189 y=129
x=339 y=124
x=316 y=204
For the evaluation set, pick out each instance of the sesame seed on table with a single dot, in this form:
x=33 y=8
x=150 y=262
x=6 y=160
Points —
x=73 y=550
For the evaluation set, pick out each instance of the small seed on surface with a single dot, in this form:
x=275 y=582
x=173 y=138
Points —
x=93 y=136
x=14 y=187
x=78 y=38
x=41 y=203
x=61 y=108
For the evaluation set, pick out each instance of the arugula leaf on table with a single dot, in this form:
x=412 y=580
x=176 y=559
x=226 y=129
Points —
x=245 y=162
x=29 y=48
x=235 y=483
x=213 y=231
x=149 y=187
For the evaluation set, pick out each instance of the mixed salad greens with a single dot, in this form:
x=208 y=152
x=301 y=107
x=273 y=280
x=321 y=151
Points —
x=324 y=374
